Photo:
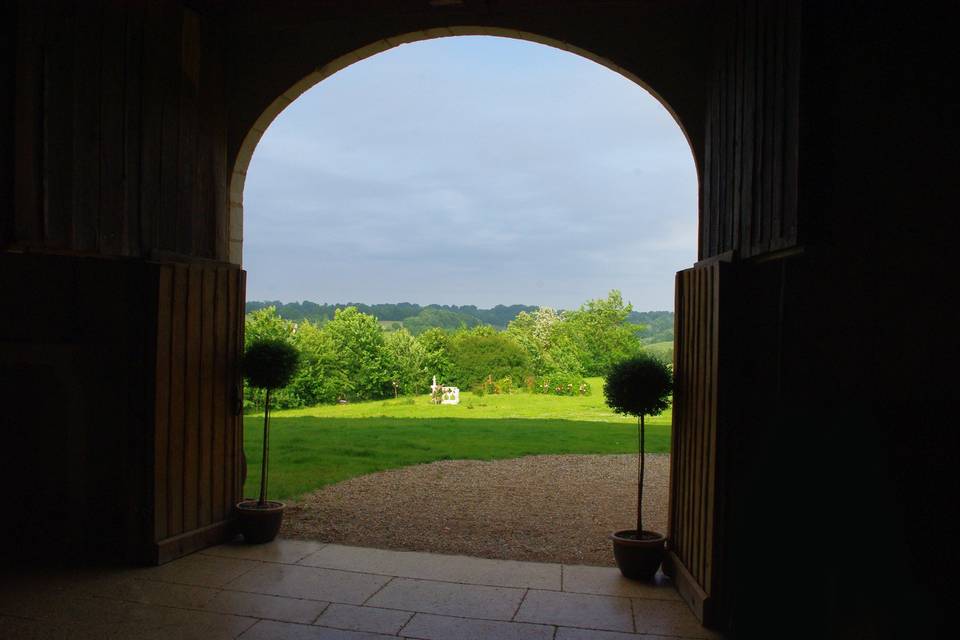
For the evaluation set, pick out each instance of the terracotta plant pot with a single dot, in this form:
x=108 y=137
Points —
x=259 y=524
x=638 y=559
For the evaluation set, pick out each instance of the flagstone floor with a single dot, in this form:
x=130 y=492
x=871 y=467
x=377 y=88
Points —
x=299 y=590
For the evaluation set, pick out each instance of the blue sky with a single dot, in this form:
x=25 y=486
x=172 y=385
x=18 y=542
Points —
x=471 y=170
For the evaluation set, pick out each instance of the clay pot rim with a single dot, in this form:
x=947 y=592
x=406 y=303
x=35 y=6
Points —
x=631 y=542
x=251 y=506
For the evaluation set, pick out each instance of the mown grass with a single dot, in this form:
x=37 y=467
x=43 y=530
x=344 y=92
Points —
x=317 y=446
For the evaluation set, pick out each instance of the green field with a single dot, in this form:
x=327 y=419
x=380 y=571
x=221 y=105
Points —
x=314 y=447
x=662 y=350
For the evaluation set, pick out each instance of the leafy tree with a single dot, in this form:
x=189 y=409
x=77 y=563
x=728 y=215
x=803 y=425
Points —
x=265 y=324
x=602 y=334
x=436 y=347
x=406 y=362
x=322 y=377
x=359 y=344
x=477 y=356
x=548 y=342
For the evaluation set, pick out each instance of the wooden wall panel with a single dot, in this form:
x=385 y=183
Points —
x=699 y=428
x=119 y=127
x=200 y=309
x=8 y=74
x=174 y=475
x=749 y=195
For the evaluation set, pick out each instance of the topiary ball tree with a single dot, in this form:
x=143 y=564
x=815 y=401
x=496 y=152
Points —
x=639 y=387
x=269 y=364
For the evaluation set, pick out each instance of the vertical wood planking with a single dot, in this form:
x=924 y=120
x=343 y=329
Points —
x=189 y=78
x=133 y=125
x=151 y=114
x=178 y=364
x=206 y=388
x=28 y=135
x=215 y=98
x=237 y=424
x=8 y=76
x=233 y=454
x=86 y=126
x=111 y=221
x=162 y=403
x=750 y=173
x=200 y=317
x=696 y=427
x=191 y=400
x=58 y=127
x=689 y=416
x=220 y=390
x=169 y=73
x=119 y=129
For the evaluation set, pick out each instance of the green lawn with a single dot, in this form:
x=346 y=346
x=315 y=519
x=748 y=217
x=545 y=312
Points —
x=321 y=445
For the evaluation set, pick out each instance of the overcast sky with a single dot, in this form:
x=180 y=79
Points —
x=471 y=170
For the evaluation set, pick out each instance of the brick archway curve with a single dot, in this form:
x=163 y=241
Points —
x=255 y=133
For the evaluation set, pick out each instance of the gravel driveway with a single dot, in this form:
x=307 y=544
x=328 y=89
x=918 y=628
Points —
x=542 y=508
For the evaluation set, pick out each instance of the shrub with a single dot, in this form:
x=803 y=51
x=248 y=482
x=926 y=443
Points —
x=562 y=385
x=476 y=357
x=270 y=363
x=639 y=387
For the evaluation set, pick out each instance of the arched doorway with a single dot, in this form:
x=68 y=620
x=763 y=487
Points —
x=701 y=469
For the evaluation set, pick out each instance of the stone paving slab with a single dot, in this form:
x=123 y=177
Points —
x=372 y=619
x=144 y=591
x=608 y=581
x=608 y=613
x=275 y=591
x=89 y=618
x=669 y=618
x=270 y=630
x=432 y=627
x=433 y=566
x=447 y=598
x=282 y=551
x=569 y=633
x=199 y=570
x=312 y=583
x=268 y=607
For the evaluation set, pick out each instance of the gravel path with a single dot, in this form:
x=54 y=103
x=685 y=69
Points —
x=542 y=508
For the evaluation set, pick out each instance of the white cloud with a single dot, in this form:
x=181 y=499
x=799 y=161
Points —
x=523 y=173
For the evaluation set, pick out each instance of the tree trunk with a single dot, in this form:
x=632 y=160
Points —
x=266 y=449
x=640 y=473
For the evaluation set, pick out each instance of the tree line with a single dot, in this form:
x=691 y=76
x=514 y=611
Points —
x=351 y=358
x=652 y=326
x=468 y=315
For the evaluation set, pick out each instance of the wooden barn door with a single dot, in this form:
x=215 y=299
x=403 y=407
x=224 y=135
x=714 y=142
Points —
x=197 y=436
x=697 y=498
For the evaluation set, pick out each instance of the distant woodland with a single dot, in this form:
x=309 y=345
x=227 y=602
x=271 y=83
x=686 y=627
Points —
x=652 y=326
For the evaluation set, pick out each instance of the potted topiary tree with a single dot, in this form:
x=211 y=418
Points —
x=639 y=387
x=267 y=364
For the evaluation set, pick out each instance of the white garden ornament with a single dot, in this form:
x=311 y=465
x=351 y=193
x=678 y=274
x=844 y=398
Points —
x=444 y=395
